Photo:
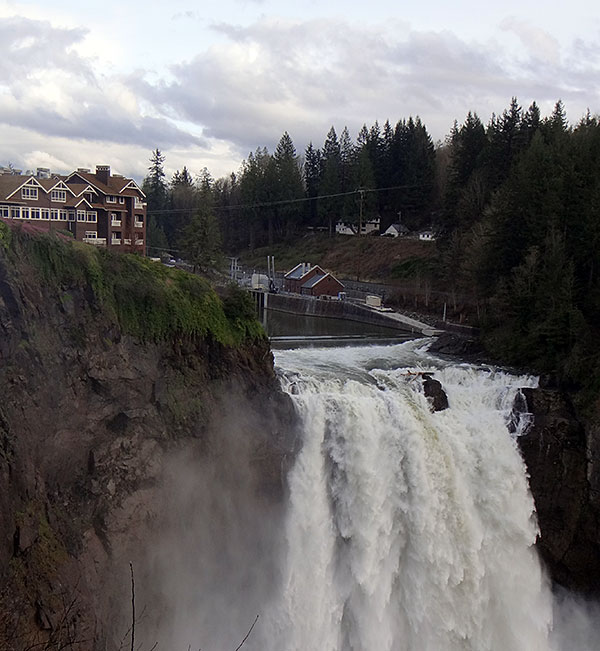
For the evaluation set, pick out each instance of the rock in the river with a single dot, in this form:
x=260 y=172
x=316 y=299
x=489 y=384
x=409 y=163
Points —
x=435 y=393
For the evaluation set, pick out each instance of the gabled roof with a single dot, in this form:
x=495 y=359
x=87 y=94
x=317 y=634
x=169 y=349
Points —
x=131 y=185
x=296 y=272
x=116 y=184
x=315 y=280
x=58 y=184
x=83 y=200
x=9 y=183
x=311 y=282
x=29 y=181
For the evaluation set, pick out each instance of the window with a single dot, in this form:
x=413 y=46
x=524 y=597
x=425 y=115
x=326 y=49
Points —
x=4 y=211
x=15 y=212
x=111 y=198
x=45 y=213
x=35 y=213
x=62 y=214
x=116 y=237
x=54 y=214
x=115 y=219
x=24 y=213
x=121 y=199
x=29 y=193
x=92 y=217
x=138 y=203
x=81 y=215
x=71 y=215
x=58 y=195
x=91 y=235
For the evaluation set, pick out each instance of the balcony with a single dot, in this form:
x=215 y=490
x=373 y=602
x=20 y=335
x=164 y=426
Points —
x=115 y=222
x=138 y=224
x=128 y=241
x=139 y=242
x=97 y=241
x=115 y=240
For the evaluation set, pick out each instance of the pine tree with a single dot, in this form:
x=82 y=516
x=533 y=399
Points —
x=331 y=207
x=157 y=199
x=289 y=184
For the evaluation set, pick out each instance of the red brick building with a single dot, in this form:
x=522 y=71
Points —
x=311 y=281
x=98 y=208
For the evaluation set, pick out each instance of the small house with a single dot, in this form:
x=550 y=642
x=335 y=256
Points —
x=322 y=285
x=395 y=230
x=427 y=236
x=296 y=277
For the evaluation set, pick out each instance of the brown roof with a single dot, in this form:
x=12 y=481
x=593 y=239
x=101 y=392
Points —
x=115 y=184
x=9 y=183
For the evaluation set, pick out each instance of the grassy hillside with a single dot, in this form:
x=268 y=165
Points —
x=146 y=299
x=368 y=258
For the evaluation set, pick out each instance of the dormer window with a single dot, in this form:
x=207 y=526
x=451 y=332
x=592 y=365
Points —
x=58 y=195
x=110 y=198
x=29 y=193
x=121 y=199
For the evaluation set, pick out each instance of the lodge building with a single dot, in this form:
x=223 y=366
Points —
x=100 y=208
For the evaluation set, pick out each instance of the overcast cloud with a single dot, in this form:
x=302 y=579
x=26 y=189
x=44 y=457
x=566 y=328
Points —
x=242 y=85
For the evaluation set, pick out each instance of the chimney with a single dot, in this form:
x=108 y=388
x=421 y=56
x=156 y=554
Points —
x=103 y=173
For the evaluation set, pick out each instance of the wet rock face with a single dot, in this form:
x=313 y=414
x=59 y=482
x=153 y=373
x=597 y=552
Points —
x=563 y=468
x=435 y=394
x=89 y=421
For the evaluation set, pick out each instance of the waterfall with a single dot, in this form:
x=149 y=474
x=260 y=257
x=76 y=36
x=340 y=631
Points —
x=407 y=530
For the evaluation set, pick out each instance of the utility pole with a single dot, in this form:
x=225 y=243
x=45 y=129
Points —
x=361 y=194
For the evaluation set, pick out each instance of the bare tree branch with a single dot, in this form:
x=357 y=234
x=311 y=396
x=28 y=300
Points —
x=247 y=634
x=132 y=608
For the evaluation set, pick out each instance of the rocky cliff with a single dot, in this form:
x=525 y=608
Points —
x=126 y=391
x=562 y=455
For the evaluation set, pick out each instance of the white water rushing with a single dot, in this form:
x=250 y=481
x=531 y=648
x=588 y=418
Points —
x=408 y=530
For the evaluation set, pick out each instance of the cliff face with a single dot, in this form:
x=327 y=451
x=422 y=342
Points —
x=103 y=440
x=563 y=459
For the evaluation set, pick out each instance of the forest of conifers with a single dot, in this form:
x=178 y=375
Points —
x=515 y=203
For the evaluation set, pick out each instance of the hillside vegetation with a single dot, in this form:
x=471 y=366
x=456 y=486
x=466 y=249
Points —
x=145 y=299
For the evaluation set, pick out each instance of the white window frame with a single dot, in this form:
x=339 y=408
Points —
x=58 y=195
x=5 y=212
x=81 y=217
x=24 y=212
x=91 y=235
x=111 y=198
x=29 y=193
x=62 y=215
x=35 y=213
x=45 y=213
x=92 y=216
x=121 y=199
x=71 y=215
x=15 y=212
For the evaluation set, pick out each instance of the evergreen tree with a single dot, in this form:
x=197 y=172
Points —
x=201 y=241
x=331 y=207
x=289 y=184
x=156 y=192
x=313 y=170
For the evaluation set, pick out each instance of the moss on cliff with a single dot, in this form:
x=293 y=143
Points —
x=147 y=300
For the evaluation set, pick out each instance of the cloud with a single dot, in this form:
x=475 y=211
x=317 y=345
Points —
x=49 y=89
x=303 y=76
x=253 y=82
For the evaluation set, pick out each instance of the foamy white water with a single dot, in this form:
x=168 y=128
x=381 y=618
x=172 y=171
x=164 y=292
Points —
x=407 y=530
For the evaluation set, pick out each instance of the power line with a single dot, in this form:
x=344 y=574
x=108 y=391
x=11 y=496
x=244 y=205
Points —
x=267 y=204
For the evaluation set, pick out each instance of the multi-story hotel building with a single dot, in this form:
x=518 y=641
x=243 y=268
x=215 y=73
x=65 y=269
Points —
x=102 y=209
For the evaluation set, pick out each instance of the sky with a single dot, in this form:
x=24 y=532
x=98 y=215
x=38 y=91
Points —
x=208 y=82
